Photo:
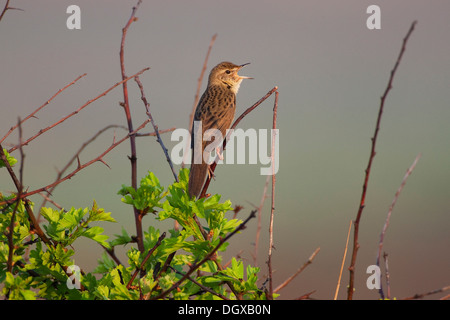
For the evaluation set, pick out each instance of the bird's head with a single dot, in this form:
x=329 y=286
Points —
x=226 y=74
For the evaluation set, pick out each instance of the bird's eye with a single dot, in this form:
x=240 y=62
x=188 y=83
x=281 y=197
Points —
x=228 y=72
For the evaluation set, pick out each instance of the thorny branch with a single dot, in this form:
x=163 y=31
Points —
x=32 y=115
x=214 y=164
x=369 y=166
x=386 y=224
x=6 y=8
x=126 y=107
x=79 y=167
x=155 y=127
x=26 y=142
x=272 y=208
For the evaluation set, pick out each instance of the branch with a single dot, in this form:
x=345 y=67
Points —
x=79 y=168
x=155 y=127
x=303 y=267
x=214 y=164
x=126 y=107
x=386 y=224
x=369 y=166
x=141 y=268
x=20 y=195
x=197 y=94
x=343 y=260
x=258 y=228
x=421 y=295
x=272 y=209
x=388 y=277
x=75 y=157
x=200 y=285
x=76 y=111
x=6 y=8
x=42 y=106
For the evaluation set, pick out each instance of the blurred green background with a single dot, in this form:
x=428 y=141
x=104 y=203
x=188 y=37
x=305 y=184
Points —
x=331 y=71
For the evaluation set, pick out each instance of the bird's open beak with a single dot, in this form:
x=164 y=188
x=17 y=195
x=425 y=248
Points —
x=244 y=77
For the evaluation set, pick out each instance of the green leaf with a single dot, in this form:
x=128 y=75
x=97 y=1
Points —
x=99 y=214
x=121 y=239
x=95 y=233
x=11 y=160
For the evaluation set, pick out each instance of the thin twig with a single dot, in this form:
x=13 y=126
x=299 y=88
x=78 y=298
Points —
x=388 y=277
x=343 y=261
x=200 y=285
x=79 y=168
x=386 y=224
x=141 y=268
x=10 y=235
x=272 y=208
x=422 y=295
x=20 y=195
x=155 y=127
x=214 y=164
x=195 y=266
x=126 y=107
x=303 y=267
x=47 y=198
x=42 y=106
x=26 y=142
x=369 y=166
x=258 y=228
x=75 y=157
x=4 y=9
x=305 y=296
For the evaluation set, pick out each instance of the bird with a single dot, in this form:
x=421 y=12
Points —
x=216 y=110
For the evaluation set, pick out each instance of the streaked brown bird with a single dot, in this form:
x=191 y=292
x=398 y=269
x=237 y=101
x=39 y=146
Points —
x=215 y=110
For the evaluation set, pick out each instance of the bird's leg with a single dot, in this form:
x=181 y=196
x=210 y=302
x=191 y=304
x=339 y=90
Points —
x=219 y=153
x=211 y=174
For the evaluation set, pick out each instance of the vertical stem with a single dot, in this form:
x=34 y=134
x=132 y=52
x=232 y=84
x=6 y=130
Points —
x=269 y=261
x=369 y=166
x=126 y=107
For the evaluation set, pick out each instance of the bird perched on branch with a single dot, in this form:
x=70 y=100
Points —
x=215 y=110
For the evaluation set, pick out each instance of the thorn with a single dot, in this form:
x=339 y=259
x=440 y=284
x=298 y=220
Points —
x=103 y=161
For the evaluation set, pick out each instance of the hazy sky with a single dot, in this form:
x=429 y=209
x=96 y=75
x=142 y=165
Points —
x=331 y=71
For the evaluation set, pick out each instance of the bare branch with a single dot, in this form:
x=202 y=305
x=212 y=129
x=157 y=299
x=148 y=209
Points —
x=76 y=111
x=386 y=224
x=126 y=107
x=258 y=228
x=79 y=168
x=369 y=166
x=214 y=164
x=197 y=94
x=155 y=127
x=422 y=295
x=6 y=8
x=343 y=261
x=20 y=195
x=272 y=209
x=42 y=106
x=388 y=277
x=303 y=267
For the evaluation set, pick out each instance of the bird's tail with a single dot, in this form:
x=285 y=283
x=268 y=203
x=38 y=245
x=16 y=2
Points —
x=197 y=177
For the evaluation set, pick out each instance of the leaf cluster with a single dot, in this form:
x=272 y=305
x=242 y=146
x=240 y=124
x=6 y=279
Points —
x=33 y=269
